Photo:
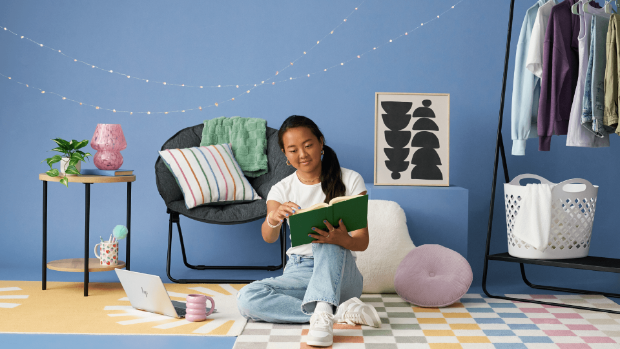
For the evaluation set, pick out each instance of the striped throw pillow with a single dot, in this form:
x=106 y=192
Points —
x=209 y=175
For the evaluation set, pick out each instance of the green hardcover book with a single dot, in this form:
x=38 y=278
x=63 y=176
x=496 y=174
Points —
x=353 y=210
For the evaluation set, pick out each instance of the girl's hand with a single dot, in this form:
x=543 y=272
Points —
x=332 y=235
x=283 y=211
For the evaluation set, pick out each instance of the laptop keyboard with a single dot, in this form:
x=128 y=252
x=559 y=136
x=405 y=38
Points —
x=180 y=308
x=180 y=311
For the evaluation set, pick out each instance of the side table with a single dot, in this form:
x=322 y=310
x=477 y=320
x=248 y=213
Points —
x=85 y=264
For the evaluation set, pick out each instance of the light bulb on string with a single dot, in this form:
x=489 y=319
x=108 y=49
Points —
x=128 y=75
x=216 y=104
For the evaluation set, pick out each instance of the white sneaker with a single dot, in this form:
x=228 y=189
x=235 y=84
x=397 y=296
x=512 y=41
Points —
x=356 y=312
x=321 y=333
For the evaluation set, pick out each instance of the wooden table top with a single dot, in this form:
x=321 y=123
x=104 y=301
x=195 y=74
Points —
x=89 y=179
x=77 y=265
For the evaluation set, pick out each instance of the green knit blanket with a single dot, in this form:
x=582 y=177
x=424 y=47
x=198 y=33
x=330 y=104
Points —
x=248 y=137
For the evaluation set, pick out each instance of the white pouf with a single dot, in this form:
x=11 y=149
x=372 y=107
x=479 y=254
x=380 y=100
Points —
x=389 y=244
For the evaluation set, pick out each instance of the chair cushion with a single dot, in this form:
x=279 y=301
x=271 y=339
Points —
x=227 y=214
x=209 y=175
x=433 y=276
x=389 y=244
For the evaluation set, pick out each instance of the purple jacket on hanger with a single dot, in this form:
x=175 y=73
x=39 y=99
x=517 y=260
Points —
x=560 y=73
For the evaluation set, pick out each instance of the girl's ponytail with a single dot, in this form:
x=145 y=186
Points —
x=331 y=177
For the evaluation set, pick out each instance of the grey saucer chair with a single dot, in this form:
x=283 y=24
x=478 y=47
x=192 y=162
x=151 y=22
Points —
x=221 y=214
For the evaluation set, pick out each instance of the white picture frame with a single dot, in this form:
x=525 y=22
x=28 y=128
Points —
x=412 y=144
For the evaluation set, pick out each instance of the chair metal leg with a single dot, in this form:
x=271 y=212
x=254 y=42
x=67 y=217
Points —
x=174 y=218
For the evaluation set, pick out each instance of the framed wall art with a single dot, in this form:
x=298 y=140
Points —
x=412 y=139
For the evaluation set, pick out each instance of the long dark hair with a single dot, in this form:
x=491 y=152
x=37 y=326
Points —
x=331 y=177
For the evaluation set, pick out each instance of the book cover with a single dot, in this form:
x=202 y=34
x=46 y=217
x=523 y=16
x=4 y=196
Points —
x=98 y=172
x=352 y=210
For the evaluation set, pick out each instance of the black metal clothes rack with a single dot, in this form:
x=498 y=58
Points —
x=587 y=263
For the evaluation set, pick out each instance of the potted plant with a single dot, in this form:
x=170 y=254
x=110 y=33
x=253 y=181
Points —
x=69 y=160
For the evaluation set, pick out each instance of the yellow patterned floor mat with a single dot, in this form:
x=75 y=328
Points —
x=62 y=308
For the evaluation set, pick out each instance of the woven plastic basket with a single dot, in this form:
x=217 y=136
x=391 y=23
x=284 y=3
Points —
x=572 y=215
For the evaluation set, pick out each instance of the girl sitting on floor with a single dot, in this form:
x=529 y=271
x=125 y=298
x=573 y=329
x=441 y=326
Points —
x=319 y=275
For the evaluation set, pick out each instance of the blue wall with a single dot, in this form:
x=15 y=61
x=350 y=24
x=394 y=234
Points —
x=245 y=42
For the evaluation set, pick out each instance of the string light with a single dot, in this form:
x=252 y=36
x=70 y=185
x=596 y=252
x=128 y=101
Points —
x=164 y=83
x=216 y=104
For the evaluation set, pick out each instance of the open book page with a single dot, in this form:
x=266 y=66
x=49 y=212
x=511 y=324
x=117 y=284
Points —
x=342 y=198
x=313 y=207
x=331 y=202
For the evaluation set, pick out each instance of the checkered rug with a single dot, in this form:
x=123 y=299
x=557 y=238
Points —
x=475 y=322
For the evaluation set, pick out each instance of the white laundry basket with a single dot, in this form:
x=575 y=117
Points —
x=572 y=215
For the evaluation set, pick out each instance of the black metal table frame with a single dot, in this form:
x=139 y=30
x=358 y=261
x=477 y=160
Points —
x=586 y=263
x=86 y=233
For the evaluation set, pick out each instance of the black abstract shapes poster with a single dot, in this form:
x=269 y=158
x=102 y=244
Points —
x=412 y=132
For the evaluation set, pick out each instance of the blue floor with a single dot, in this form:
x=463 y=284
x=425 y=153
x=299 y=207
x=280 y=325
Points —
x=65 y=341
x=51 y=341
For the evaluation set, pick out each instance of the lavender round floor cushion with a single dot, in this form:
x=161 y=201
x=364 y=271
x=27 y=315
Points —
x=433 y=276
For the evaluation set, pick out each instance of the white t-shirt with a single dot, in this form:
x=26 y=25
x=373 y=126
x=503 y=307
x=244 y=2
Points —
x=293 y=190
x=534 y=60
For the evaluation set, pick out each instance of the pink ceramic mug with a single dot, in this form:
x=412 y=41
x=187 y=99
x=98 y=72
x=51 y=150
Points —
x=197 y=307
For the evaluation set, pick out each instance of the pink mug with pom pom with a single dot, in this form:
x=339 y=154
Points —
x=197 y=307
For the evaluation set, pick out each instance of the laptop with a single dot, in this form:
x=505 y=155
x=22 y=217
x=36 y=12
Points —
x=147 y=292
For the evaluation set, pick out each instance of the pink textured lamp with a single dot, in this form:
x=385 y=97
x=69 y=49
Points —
x=108 y=141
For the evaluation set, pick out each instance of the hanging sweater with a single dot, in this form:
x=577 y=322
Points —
x=525 y=88
x=560 y=73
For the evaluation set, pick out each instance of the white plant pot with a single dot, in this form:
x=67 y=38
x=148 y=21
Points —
x=64 y=163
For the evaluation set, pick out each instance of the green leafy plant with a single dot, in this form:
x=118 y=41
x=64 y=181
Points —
x=68 y=149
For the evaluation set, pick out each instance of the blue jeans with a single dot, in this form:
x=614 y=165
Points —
x=594 y=95
x=331 y=276
x=586 y=115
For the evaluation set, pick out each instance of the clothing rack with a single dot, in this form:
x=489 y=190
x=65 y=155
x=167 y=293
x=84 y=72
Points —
x=586 y=263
